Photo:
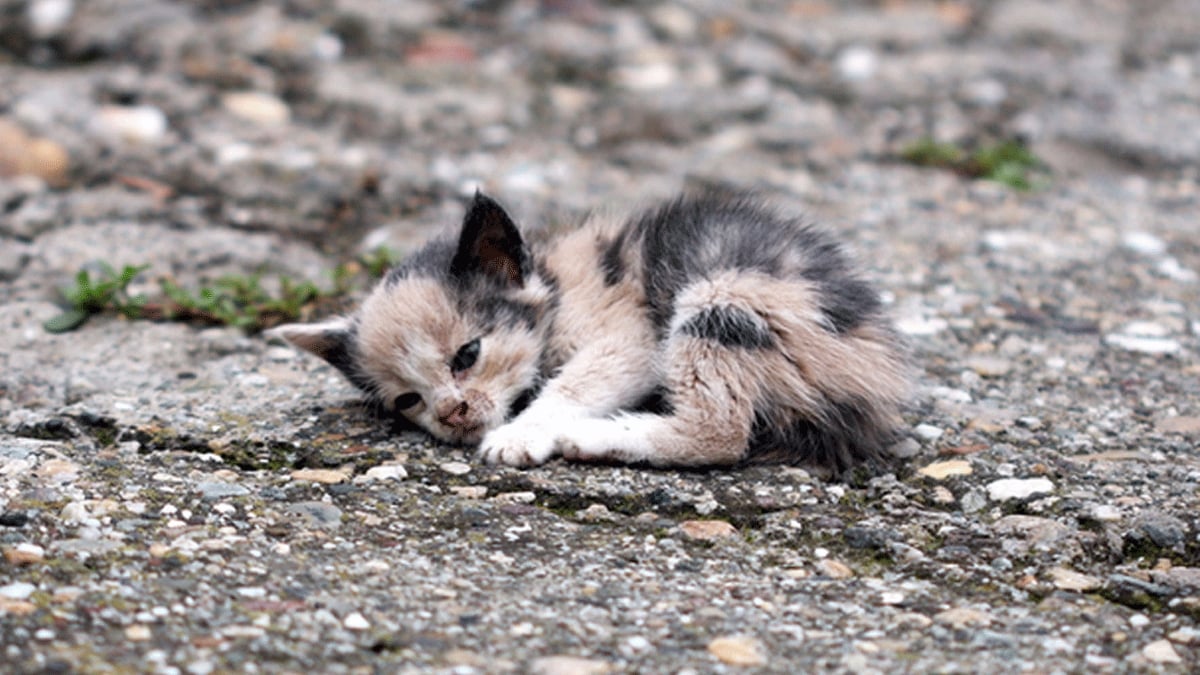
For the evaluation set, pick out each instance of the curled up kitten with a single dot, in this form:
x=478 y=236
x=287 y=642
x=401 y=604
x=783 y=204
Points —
x=710 y=330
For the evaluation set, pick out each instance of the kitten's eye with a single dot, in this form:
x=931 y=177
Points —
x=465 y=357
x=406 y=401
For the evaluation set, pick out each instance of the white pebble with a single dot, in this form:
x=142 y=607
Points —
x=356 y=621
x=857 y=63
x=258 y=107
x=1018 y=488
x=455 y=468
x=921 y=326
x=47 y=18
x=1142 y=344
x=928 y=432
x=1144 y=243
x=1161 y=651
x=132 y=124
x=18 y=590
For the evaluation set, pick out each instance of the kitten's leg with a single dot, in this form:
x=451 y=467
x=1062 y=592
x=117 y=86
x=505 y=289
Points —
x=747 y=349
x=713 y=390
x=602 y=378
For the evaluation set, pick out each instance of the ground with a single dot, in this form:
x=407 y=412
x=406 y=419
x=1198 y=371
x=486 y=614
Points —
x=179 y=498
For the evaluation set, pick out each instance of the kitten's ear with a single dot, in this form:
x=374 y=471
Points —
x=331 y=340
x=490 y=244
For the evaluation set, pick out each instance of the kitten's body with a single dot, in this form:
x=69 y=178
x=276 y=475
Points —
x=708 y=331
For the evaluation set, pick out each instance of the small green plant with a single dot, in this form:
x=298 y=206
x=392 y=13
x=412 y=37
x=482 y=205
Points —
x=377 y=261
x=233 y=300
x=91 y=296
x=1007 y=162
x=236 y=300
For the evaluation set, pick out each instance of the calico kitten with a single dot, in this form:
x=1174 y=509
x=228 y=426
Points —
x=708 y=331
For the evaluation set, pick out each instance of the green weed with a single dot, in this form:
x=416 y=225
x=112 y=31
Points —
x=1007 y=162
x=90 y=296
x=236 y=300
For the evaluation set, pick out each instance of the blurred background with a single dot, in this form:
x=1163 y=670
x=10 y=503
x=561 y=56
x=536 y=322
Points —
x=224 y=136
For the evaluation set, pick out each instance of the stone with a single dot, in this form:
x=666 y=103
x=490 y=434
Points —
x=1182 y=578
x=943 y=470
x=455 y=468
x=258 y=107
x=1180 y=424
x=1018 y=488
x=138 y=632
x=1143 y=344
x=521 y=497
x=24 y=554
x=1161 y=651
x=708 y=530
x=24 y=155
x=356 y=621
x=469 y=491
x=857 y=63
x=1187 y=635
x=47 y=18
x=834 y=569
x=568 y=665
x=210 y=490
x=990 y=366
x=17 y=590
x=1069 y=580
x=56 y=471
x=1033 y=528
x=324 y=476
x=963 y=617
x=385 y=472
x=739 y=650
x=1144 y=243
x=139 y=124
x=319 y=514
x=928 y=432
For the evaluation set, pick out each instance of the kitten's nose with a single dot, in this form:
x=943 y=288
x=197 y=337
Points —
x=456 y=416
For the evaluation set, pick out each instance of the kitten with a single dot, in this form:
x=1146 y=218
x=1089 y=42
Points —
x=707 y=331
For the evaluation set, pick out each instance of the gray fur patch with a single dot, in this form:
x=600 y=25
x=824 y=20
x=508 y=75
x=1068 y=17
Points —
x=729 y=327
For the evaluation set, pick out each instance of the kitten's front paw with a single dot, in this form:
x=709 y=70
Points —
x=518 y=445
x=599 y=441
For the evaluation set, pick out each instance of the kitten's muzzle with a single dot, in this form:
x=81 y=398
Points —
x=465 y=414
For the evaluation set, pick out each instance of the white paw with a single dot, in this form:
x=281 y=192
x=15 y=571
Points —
x=518 y=444
x=599 y=440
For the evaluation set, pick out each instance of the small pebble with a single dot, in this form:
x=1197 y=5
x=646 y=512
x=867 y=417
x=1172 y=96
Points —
x=738 y=650
x=356 y=621
x=18 y=590
x=325 y=476
x=1018 y=488
x=1161 y=651
x=1070 y=580
x=834 y=569
x=24 y=554
x=568 y=665
x=928 y=432
x=386 y=472
x=138 y=632
x=946 y=469
x=140 y=124
x=1144 y=243
x=857 y=63
x=455 y=468
x=962 y=617
x=708 y=530
x=257 y=107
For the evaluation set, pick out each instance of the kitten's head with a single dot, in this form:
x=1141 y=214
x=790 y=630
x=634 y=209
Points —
x=450 y=339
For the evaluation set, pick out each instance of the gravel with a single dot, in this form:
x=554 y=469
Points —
x=192 y=500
